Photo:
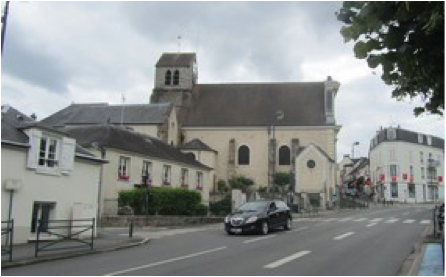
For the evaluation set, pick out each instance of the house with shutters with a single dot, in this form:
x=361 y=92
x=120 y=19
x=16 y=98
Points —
x=45 y=175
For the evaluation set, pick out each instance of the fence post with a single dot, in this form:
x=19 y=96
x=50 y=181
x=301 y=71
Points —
x=11 y=239
x=131 y=228
x=92 y=232
x=37 y=237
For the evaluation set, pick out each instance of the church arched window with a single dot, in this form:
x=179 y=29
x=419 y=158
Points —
x=168 y=78
x=243 y=155
x=176 y=77
x=284 y=155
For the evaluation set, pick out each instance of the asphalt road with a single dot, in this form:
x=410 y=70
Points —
x=365 y=242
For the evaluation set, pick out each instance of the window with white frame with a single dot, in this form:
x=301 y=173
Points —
x=184 y=177
x=421 y=157
x=48 y=152
x=394 y=190
x=146 y=172
x=124 y=168
x=411 y=171
x=167 y=172
x=391 y=134
x=199 y=180
x=420 y=138
x=393 y=170
x=422 y=173
x=429 y=140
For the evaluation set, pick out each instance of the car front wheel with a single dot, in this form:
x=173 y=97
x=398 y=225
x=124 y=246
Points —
x=288 y=224
x=265 y=228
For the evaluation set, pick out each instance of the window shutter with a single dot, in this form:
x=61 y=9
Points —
x=66 y=162
x=34 y=137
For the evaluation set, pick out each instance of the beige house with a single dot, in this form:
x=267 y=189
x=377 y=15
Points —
x=45 y=176
x=256 y=129
x=134 y=158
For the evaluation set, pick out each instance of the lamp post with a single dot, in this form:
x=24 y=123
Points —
x=4 y=23
x=272 y=160
x=353 y=148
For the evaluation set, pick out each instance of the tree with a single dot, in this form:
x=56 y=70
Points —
x=407 y=40
x=240 y=182
x=282 y=179
x=222 y=187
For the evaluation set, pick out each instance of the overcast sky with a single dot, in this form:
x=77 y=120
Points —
x=57 y=53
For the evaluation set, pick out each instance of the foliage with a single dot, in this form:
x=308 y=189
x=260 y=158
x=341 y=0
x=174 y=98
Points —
x=164 y=201
x=282 y=179
x=240 y=182
x=407 y=40
x=263 y=189
x=222 y=207
x=222 y=187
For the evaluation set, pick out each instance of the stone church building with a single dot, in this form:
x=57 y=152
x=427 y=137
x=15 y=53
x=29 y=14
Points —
x=250 y=129
x=255 y=129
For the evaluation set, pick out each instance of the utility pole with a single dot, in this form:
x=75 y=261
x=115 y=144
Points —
x=4 y=22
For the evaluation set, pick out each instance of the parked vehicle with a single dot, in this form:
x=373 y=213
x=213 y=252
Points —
x=259 y=216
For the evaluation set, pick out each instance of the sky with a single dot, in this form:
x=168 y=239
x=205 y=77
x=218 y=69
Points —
x=57 y=53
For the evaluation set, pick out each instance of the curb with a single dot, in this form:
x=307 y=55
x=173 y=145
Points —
x=73 y=255
x=411 y=264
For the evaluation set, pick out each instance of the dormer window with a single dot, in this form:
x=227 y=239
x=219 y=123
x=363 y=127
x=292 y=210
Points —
x=329 y=102
x=176 y=78
x=168 y=79
x=429 y=140
x=420 y=138
x=48 y=152
x=391 y=134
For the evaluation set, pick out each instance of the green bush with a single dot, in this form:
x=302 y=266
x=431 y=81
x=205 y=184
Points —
x=164 y=201
x=201 y=210
x=222 y=207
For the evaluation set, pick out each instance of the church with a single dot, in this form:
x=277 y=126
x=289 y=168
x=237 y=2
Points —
x=250 y=129
x=256 y=129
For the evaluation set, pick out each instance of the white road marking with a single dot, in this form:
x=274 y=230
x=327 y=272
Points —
x=345 y=219
x=409 y=221
x=287 y=259
x=376 y=219
x=257 y=239
x=343 y=236
x=392 y=220
x=425 y=221
x=360 y=219
x=166 y=261
x=299 y=229
x=372 y=224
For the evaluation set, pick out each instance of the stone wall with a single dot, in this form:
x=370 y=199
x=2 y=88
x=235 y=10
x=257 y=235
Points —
x=124 y=220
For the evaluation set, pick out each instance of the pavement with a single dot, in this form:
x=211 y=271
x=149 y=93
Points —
x=352 y=243
x=24 y=254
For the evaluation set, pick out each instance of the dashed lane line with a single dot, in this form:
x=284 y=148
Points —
x=299 y=229
x=360 y=219
x=257 y=239
x=343 y=236
x=376 y=219
x=409 y=221
x=392 y=220
x=425 y=222
x=287 y=259
x=371 y=224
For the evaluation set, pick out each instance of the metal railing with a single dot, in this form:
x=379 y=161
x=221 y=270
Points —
x=63 y=231
x=8 y=232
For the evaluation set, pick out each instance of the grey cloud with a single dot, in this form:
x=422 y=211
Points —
x=33 y=65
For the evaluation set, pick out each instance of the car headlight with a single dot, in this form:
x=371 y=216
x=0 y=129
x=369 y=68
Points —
x=227 y=219
x=251 y=219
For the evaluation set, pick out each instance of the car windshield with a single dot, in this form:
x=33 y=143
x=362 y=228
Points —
x=253 y=206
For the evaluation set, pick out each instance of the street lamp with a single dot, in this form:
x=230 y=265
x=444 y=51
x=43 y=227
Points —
x=272 y=161
x=4 y=22
x=353 y=148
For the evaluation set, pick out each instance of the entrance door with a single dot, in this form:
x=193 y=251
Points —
x=41 y=211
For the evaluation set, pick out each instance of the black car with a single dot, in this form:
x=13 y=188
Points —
x=259 y=216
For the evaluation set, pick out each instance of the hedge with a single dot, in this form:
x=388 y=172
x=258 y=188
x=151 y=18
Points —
x=222 y=207
x=164 y=201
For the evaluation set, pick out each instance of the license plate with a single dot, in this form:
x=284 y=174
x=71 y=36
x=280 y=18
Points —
x=236 y=230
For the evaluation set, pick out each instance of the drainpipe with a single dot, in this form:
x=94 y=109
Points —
x=98 y=216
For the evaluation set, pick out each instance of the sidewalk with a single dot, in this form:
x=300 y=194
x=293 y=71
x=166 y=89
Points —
x=24 y=254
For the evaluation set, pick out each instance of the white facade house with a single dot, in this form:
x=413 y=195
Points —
x=407 y=166
x=45 y=175
x=135 y=157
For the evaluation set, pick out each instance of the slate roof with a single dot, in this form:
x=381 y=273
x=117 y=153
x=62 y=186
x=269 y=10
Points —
x=176 y=60
x=256 y=104
x=11 y=120
x=123 y=139
x=406 y=136
x=301 y=149
x=103 y=113
x=197 y=144
x=14 y=122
